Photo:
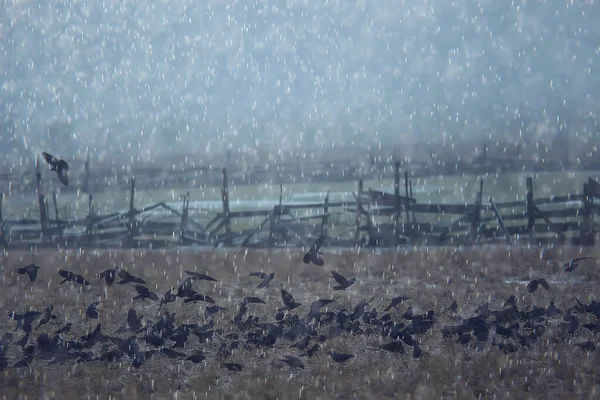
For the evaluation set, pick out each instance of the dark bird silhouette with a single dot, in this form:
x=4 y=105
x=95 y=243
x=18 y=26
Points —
x=232 y=366
x=266 y=278
x=91 y=312
x=196 y=358
x=293 y=362
x=64 y=329
x=201 y=277
x=108 y=275
x=31 y=270
x=343 y=282
x=126 y=277
x=60 y=166
x=314 y=254
x=395 y=301
x=340 y=357
x=46 y=316
x=24 y=321
x=199 y=297
x=453 y=307
x=144 y=293
x=572 y=265
x=212 y=310
x=315 y=307
x=533 y=285
x=288 y=301
x=167 y=298
x=185 y=289
x=70 y=276
x=511 y=301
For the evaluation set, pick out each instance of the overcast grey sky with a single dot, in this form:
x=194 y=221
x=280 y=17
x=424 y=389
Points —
x=133 y=74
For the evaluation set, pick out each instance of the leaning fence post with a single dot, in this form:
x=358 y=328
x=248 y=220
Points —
x=325 y=220
x=586 y=233
x=131 y=213
x=397 y=203
x=225 y=200
x=41 y=201
x=358 y=211
x=530 y=209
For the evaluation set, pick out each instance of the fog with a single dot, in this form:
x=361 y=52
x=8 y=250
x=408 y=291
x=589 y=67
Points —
x=151 y=77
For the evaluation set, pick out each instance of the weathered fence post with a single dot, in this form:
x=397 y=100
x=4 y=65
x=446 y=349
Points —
x=413 y=217
x=272 y=217
x=500 y=221
x=358 y=211
x=55 y=205
x=225 y=200
x=325 y=221
x=41 y=201
x=86 y=173
x=184 y=217
x=90 y=222
x=131 y=213
x=586 y=234
x=530 y=209
x=2 y=233
x=407 y=202
x=397 y=203
x=476 y=217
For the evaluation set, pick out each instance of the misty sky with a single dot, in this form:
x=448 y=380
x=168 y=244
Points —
x=137 y=74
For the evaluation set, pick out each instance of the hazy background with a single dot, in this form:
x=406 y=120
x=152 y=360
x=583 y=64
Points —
x=151 y=77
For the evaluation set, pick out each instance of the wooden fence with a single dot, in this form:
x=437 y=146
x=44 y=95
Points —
x=374 y=218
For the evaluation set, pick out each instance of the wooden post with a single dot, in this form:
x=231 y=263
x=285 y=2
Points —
x=2 y=234
x=325 y=222
x=55 y=206
x=530 y=209
x=586 y=234
x=280 y=209
x=476 y=217
x=131 y=214
x=413 y=217
x=406 y=201
x=41 y=202
x=397 y=203
x=184 y=217
x=272 y=216
x=500 y=221
x=225 y=200
x=86 y=174
x=358 y=211
x=90 y=222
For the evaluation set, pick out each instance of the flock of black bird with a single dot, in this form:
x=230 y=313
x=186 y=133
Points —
x=508 y=329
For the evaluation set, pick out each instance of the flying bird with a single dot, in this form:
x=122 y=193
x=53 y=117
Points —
x=60 y=166
x=314 y=254
x=533 y=285
x=572 y=265
x=126 y=277
x=108 y=275
x=201 y=277
x=266 y=278
x=288 y=301
x=343 y=282
x=70 y=276
x=31 y=270
x=144 y=293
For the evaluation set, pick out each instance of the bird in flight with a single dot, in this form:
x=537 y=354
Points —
x=572 y=265
x=60 y=166
x=314 y=254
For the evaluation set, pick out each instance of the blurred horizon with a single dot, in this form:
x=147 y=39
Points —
x=151 y=80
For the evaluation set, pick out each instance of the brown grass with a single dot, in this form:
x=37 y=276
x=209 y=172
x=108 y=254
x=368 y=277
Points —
x=433 y=277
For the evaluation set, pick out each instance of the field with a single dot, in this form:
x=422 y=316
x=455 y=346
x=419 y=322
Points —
x=551 y=367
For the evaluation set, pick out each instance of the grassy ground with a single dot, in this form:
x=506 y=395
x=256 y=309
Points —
x=432 y=277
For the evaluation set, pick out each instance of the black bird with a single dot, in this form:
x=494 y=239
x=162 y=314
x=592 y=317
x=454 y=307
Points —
x=211 y=310
x=70 y=276
x=108 y=275
x=288 y=301
x=91 y=311
x=293 y=362
x=533 y=285
x=167 y=298
x=314 y=255
x=24 y=321
x=60 y=166
x=453 y=307
x=571 y=265
x=144 y=293
x=340 y=357
x=511 y=301
x=266 y=278
x=31 y=270
x=395 y=301
x=201 y=277
x=126 y=277
x=196 y=358
x=315 y=307
x=232 y=366
x=64 y=329
x=343 y=282
x=46 y=316
x=199 y=297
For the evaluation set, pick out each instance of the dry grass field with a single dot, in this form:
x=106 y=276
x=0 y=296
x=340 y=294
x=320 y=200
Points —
x=553 y=367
